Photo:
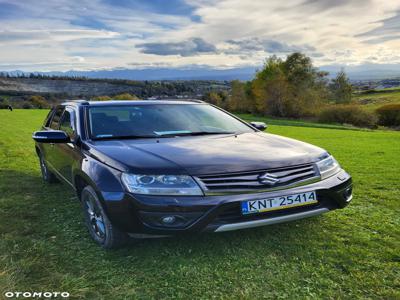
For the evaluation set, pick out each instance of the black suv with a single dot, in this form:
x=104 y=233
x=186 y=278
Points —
x=164 y=167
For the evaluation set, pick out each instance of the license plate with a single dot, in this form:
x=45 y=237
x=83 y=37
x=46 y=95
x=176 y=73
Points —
x=283 y=202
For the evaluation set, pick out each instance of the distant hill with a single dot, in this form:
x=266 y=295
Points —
x=366 y=71
x=63 y=87
x=195 y=73
x=355 y=72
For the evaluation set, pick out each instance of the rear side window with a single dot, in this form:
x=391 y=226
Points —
x=56 y=118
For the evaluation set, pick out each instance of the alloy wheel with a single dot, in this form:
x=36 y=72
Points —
x=96 y=220
x=43 y=168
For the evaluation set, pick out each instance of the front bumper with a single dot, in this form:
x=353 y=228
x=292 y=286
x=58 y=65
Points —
x=142 y=214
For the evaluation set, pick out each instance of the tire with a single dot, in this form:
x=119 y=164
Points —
x=102 y=231
x=47 y=175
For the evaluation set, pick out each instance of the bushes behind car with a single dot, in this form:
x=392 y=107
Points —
x=348 y=114
x=389 y=115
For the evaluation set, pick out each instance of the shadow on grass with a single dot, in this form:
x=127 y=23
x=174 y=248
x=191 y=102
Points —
x=51 y=215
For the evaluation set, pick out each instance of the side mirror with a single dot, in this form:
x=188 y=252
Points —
x=259 y=125
x=52 y=136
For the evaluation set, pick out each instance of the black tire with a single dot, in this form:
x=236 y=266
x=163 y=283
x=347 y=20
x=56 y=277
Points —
x=102 y=231
x=47 y=175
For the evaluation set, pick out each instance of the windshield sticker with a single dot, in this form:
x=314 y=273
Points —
x=104 y=135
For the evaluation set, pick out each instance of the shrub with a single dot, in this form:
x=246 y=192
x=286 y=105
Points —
x=101 y=98
x=38 y=102
x=348 y=114
x=389 y=115
x=125 y=96
x=26 y=105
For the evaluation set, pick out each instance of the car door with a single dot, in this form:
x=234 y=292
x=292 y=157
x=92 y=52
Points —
x=65 y=154
x=48 y=148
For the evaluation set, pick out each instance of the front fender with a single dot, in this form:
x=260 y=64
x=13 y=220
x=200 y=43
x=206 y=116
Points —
x=107 y=184
x=102 y=178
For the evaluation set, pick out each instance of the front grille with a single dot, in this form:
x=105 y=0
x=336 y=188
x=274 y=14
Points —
x=251 y=181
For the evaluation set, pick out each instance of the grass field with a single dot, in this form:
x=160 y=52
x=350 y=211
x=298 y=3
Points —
x=372 y=101
x=351 y=253
x=295 y=123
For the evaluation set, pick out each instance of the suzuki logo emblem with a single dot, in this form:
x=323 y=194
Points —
x=268 y=179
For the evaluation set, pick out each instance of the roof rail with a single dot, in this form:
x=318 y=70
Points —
x=181 y=99
x=79 y=101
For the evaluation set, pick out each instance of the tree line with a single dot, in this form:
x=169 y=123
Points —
x=290 y=87
x=294 y=88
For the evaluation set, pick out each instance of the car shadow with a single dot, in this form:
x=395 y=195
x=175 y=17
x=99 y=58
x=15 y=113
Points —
x=53 y=210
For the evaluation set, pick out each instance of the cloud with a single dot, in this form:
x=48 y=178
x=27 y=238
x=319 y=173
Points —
x=89 y=22
x=387 y=30
x=189 y=47
x=170 y=7
x=324 y=5
x=270 y=46
x=37 y=36
x=115 y=33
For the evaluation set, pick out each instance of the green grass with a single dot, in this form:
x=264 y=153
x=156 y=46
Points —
x=351 y=253
x=297 y=123
x=372 y=101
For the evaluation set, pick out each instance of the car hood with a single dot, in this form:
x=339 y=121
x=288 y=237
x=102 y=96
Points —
x=200 y=155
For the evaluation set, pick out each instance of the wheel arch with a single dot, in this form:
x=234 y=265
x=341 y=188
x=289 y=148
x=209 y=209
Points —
x=80 y=181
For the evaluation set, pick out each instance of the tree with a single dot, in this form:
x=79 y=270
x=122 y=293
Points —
x=213 y=98
x=270 y=88
x=308 y=86
x=289 y=88
x=219 y=99
x=299 y=70
x=341 y=88
x=238 y=99
x=241 y=98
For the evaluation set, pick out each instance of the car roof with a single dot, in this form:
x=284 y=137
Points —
x=132 y=102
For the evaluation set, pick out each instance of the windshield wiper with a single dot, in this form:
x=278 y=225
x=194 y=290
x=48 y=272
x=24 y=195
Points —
x=196 y=133
x=127 y=137
x=124 y=137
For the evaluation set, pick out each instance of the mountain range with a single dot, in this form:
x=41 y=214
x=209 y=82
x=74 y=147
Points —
x=355 y=72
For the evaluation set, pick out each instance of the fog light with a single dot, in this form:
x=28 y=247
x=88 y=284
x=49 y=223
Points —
x=168 y=220
x=348 y=194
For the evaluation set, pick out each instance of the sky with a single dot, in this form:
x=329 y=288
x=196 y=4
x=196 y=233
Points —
x=63 y=35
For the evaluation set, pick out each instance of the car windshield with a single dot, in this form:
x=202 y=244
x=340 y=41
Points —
x=160 y=120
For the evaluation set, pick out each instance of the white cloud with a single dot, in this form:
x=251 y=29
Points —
x=66 y=34
x=58 y=35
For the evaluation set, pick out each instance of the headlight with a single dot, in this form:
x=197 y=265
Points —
x=328 y=167
x=178 y=185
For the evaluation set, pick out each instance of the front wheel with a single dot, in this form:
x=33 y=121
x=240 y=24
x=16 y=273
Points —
x=100 y=228
x=47 y=175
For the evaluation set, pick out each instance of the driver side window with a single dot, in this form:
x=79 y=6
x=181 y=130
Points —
x=56 y=118
x=68 y=123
